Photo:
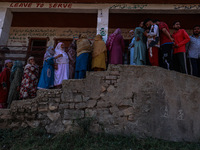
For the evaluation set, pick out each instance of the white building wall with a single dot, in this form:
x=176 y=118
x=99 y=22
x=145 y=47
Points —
x=102 y=22
x=5 y=24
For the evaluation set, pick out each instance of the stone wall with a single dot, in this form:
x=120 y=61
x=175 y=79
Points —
x=139 y=100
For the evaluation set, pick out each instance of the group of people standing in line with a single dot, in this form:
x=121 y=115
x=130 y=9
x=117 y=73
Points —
x=151 y=44
x=59 y=64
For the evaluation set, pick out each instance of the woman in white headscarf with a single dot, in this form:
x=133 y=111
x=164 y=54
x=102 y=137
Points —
x=62 y=71
x=30 y=79
x=47 y=75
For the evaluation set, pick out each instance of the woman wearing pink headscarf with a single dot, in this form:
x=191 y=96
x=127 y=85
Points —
x=62 y=71
x=115 y=45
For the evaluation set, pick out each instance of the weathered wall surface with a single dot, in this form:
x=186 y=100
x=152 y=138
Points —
x=140 y=100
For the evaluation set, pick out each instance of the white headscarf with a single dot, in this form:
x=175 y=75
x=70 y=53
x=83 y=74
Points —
x=59 y=50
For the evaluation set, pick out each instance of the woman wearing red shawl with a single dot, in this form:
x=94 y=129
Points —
x=5 y=83
x=115 y=45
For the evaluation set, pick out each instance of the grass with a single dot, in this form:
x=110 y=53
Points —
x=38 y=139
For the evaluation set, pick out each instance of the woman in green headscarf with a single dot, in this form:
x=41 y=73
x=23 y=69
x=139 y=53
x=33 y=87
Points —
x=15 y=80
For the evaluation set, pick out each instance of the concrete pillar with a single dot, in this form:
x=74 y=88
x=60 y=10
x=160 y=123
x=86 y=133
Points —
x=5 y=24
x=102 y=22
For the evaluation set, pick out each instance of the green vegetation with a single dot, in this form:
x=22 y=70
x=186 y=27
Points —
x=38 y=139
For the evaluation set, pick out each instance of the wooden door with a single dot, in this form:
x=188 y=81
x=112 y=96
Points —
x=37 y=49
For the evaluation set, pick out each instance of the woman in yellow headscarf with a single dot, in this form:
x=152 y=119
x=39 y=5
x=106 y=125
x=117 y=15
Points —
x=82 y=57
x=99 y=55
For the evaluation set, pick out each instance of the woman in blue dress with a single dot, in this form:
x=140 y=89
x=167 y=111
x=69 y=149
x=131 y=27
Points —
x=131 y=47
x=47 y=75
x=140 y=46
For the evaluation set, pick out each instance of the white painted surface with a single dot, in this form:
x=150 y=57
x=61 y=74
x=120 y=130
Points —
x=102 y=22
x=5 y=24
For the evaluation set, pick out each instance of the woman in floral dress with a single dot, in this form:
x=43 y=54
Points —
x=30 y=80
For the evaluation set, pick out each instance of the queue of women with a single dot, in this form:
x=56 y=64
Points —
x=18 y=82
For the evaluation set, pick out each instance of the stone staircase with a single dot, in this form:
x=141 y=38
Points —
x=140 y=100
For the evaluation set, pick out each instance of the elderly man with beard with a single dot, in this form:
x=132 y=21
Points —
x=193 y=49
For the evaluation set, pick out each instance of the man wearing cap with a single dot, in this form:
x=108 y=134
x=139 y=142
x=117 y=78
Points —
x=5 y=83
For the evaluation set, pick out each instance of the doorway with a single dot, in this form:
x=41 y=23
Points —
x=37 y=49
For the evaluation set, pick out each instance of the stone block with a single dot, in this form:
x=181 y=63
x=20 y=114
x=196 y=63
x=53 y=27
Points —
x=113 y=81
x=57 y=100
x=114 y=109
x=30 y=116
x=33 y=124
x=90 y=113
x=80 y=105
x=24 y=125
x=73 y=114
x=111 y=88
x=45 y=122
x=64 y=106
x=107 y=81
x=67 y=97
x=53 y=116
x=102 y=111
x=102 y=95
x=96 y=128
x=115 y=73
x=5 y=114
x=102 y=104
x=91 y=103
x=15 y=125
x=85 y=98
x=103 y=89
x=126 y=102
x=118 y=114
x=78 y=98
x=44 y=99
x=20 y=117
x=43 y=108
x=67 y=122
x=111 y=77
x=72 y=105
x=131 y=117
x=34 y=108
x=21 y=110
x=41 y=116
x=128 y=111
x=55 y=127
x=53 y=106
x=106 y=119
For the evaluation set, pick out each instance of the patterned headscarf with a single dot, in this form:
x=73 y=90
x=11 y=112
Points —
x=112 y=37
x=28 y=61
x=49 y=53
